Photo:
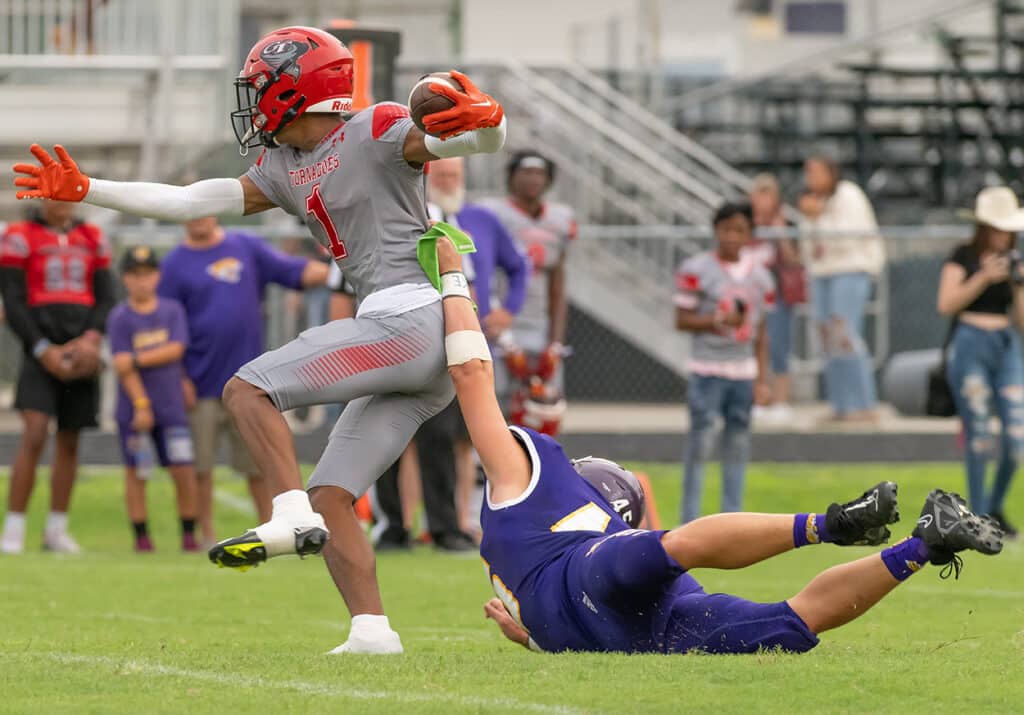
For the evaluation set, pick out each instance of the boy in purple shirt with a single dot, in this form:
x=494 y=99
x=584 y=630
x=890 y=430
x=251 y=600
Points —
x=148 y=336
x=220 y=278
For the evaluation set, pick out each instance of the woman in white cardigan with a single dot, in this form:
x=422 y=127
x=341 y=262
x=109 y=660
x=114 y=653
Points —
x=845 y=255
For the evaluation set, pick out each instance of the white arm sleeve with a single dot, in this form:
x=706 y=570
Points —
x=478 y=141
x=212 y=197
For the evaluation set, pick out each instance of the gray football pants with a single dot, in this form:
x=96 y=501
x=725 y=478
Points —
x=390 y=370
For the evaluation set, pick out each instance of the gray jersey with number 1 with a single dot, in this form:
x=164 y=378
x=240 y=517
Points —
x=360 y=197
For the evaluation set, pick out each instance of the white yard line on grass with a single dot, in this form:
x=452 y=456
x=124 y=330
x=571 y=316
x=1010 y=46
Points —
x=235 y=680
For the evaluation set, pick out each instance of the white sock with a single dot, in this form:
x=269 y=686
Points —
x=369 y=624
x=14 y=524
x=291 y=502
x=57 y=521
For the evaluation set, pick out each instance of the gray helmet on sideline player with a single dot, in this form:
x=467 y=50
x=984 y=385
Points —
x=619 y=486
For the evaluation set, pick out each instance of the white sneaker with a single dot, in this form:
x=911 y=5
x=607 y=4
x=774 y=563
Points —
x=381 y=643
x=370 y=634
x=304 y=535
x=60 y=541
x=12 y=543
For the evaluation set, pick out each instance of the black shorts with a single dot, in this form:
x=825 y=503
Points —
x=74 y=404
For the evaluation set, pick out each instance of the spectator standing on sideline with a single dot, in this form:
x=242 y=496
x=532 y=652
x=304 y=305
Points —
x=846 y=255
x=543 y=230
x=447 y=469
x=722 y=297
x=57 y=291
x=220 y=277
x=985 y=367
x=148 y=336
x=780 y=255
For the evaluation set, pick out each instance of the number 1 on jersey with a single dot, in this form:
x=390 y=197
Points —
x=315 y=205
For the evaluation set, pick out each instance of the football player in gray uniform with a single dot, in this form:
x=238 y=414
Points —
x=358 y=182
x=533 y=346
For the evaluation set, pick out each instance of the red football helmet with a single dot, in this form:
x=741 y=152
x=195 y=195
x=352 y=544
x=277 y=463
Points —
x=289 y=72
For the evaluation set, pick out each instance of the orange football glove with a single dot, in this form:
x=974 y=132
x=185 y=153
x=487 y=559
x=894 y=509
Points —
x=547 y=361
x=473 y=109
x=516 y=362
x=50 y=180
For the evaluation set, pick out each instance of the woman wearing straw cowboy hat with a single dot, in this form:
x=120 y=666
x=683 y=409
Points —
x=980 y=287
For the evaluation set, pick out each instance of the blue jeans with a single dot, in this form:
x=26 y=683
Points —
x=779 y=326
x=708 y=398
x=839 y=304
x=318 y=306
x=986 y=375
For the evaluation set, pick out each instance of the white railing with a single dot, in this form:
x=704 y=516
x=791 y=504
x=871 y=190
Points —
x=44 y=34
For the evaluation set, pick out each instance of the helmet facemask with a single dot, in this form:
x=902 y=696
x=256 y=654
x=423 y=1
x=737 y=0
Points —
x=249 y=121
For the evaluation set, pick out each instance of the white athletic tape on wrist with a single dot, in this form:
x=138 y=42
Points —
x=478 y=141
x=454 y=283
x=465 y=345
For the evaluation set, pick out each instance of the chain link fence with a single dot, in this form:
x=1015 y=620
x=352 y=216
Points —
x=609 y=363
x=901 y=315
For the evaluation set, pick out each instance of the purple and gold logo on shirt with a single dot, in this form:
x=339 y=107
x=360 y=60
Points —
x=144 y=339
x=228 y=270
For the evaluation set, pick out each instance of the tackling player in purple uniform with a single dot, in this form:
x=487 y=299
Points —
x=358 y=182
x=570 y=573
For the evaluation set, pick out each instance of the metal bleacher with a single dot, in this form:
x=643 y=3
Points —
x=920 y=137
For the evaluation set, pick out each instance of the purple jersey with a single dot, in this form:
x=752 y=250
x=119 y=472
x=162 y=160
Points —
x=495 y=248
x=362 y=201
x=572 y=573
x=541 y=548
x=132 y=332
x=222 y=288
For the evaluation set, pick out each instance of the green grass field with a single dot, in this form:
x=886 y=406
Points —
x=109 y=631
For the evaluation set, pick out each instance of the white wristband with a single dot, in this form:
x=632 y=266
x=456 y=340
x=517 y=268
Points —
x=465 y=345
x=454 y=283
x=478 y=141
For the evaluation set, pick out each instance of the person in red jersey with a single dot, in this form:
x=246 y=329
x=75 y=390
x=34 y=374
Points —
x=57 y=290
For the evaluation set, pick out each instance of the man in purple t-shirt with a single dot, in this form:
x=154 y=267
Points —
x=148 y=336
x=220 y=278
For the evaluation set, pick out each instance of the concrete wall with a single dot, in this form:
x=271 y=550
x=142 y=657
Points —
x=704 y=37
x=694 y=37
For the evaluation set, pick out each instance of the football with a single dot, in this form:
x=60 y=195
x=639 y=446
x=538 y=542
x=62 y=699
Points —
x=423 y=100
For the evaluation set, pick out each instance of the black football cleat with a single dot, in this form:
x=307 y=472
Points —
x=947 y=526
x=249 y=550
x=862 y=522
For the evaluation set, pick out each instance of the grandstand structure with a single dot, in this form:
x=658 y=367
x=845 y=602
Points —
x=922 y=137
x=922 y=110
